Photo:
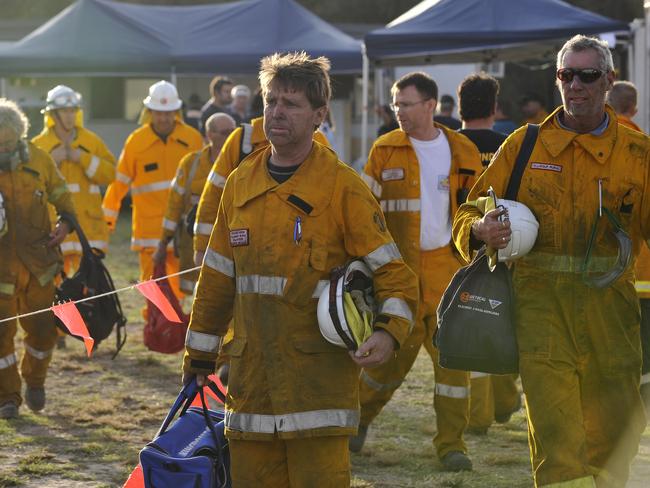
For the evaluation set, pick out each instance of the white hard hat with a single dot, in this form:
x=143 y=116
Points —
x=346 y=306
x=163 y=97
x=524 y=227
x=62 y=96
x=3 y=217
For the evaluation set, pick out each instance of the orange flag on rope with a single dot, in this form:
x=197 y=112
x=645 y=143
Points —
x=71 y=318
x=136 y=479
x=152 y=292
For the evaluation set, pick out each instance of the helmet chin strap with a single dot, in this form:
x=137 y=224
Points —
x=61 y=124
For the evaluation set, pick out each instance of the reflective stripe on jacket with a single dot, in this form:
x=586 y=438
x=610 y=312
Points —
x=261 y=272
x=147 y=166
x=96 y=167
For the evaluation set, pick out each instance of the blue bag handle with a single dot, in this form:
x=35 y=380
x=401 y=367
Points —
x=183 y=402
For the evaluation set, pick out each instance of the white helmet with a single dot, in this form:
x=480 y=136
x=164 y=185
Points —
x=62 y=96
x=162 y=97
x=3 y=217
x=346 y=306
x=524 y=227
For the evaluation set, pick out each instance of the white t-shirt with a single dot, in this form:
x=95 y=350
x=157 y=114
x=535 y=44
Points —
x=434 y=158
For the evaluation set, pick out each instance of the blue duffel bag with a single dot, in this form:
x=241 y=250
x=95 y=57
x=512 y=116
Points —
x=193 y=452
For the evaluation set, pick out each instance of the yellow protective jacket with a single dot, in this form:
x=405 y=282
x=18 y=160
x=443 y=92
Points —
x=96 y=167
x=27 y=189
x=560 y=186
x=393 y=175
x=284 y=376
x=186 y=189
x=232 y=153
x=147 y=166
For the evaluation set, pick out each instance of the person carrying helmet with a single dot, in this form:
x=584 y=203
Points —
x=420 y=173
x=186 y=189
x=84 y=161
x=29 y=258
x=147 y=166
x=290 y=214
x=244 y=140
x=576 y=308
x=493 y=397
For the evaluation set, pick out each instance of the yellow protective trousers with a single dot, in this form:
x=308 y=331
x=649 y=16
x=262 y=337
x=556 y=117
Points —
x=311 y=462
x=451 y=396
x=39 y=339
x=491 y=396
x=580 y=366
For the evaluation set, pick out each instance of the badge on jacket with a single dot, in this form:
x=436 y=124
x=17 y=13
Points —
x=238 y=237
x=392 y=174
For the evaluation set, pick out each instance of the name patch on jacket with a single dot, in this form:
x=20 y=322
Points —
x=392 y=174
x=150 y=167
x=546 y=167
x=238 y=237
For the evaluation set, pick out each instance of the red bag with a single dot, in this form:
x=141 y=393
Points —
x=160 y=334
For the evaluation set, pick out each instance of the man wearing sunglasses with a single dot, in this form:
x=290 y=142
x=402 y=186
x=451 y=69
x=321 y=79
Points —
x=420 y=173
x=185 y=192
x=577 y=311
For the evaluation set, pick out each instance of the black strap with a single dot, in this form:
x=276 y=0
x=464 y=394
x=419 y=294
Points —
x=525 y=151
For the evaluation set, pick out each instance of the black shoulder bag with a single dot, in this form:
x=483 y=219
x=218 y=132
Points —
x=476 y=323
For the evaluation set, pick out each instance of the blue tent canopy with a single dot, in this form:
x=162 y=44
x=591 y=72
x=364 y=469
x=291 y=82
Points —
x=103 y=37
x=478 y=30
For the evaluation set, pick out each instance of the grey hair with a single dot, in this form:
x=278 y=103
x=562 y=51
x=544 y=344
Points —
x=580 y=43
x=12 y=117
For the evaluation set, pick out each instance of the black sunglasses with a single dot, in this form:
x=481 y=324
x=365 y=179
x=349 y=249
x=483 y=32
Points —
x=586 y=75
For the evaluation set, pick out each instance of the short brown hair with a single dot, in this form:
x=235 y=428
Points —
x=217 y=83
x=422 y=82
x=477 y=96
x=298 y=71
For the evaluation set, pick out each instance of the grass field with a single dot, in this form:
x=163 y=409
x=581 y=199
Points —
x=101 y=412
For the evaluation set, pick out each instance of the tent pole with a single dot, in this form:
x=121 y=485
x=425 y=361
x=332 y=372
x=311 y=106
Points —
x=364 y=105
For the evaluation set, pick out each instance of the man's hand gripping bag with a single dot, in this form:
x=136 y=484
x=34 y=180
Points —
x=193 y=452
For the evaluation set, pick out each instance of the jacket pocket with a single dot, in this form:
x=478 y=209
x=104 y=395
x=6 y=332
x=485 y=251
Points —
x=312 y=267
x=544 y=199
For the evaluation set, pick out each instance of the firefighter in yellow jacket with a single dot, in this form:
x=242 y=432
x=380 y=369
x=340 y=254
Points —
x=84 y=161
x=242 y=142
x=289 y=214
x=420 y=173
x=147 y=166
x=587 y=182
x=29 y=258
x=186 y=190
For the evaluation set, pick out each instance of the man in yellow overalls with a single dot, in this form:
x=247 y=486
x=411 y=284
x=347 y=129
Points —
x=84 y=161
x=147 y=166
x=420 y=173
x=29 y=258
x=289 y=214
x=577 y=314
